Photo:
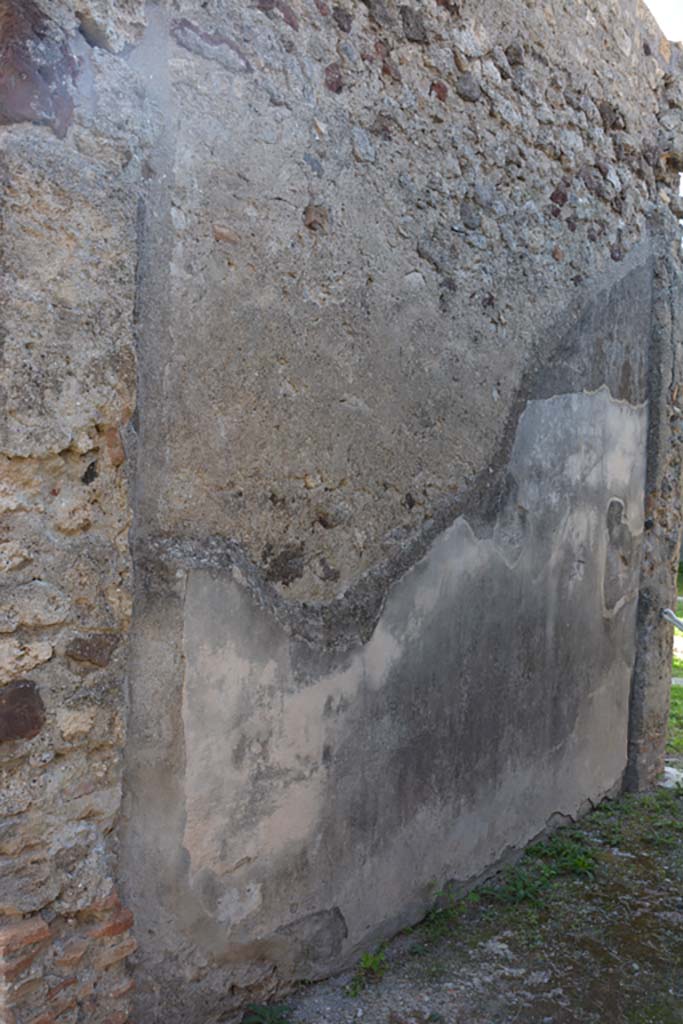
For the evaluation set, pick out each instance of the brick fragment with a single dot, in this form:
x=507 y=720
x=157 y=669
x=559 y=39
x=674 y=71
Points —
x=9 y=970
x=114 y=954
x=115 y=449
x=316 y=218
x=110 y=902
x=68 y=1002
x=222 y=233
x=121 y=922
x=24 y=933
x=123 y=989
x=84 y=993
x=72 y=953
x=25 y=990
x=67 y=983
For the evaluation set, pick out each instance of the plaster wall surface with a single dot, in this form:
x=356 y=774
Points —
x=320 y=790
x=396 y=305
x=367 y=317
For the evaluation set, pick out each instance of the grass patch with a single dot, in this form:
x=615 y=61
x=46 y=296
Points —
x=585 y=904
x=641 y=822
x=573 y=853
x=566 y=853
x=675 y=740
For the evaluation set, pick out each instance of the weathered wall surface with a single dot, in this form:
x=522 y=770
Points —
x=321 y=794
x=70 y=147
x=402 y=279
x=650 y=689
x=401 y=274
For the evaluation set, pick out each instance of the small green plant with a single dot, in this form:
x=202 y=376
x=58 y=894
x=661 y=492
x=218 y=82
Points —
x=275 y=1014
x=438 y=923
x=567 y=854
x=521 y=884
x=447 y=912
x=371 y=967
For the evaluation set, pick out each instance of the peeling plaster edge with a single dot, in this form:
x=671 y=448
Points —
x=350 y=618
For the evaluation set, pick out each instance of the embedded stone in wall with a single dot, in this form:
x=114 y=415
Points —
x=22 y=712
x=97 y=648
x=36 y=68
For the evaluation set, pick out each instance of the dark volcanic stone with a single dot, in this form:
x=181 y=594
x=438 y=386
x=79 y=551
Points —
x=344 y=19
x=97 y=648
x=35 y=69
x=22 y=712
x=413 y=25
x=468 y=88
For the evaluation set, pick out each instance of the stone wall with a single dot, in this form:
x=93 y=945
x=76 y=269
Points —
x=71 y=141
x=368 y=314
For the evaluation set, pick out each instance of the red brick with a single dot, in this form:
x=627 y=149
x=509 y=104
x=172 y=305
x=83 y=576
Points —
x=10 y=971
x=110 y=902
x=122 y=990
x=72 y=953
x=115 y=953
x=23 y=933
x=85 y=988
x=88 y=1007
x=122 y=922
x=68 y=1004
x=114 y=445
x=25 y=990
x=54 y=992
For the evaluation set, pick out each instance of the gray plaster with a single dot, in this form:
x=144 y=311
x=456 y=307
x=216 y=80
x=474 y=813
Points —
x=321 y=794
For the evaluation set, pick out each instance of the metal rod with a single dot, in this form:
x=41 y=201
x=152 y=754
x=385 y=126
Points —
x=673 y=619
